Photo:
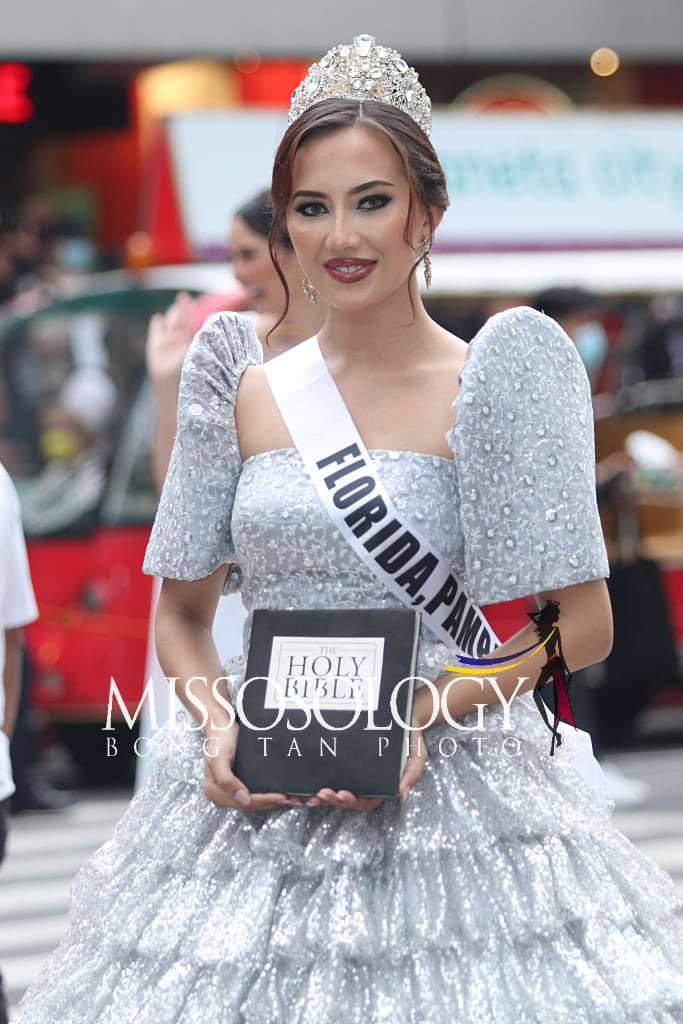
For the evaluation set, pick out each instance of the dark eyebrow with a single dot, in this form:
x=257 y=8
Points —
x=371 y=184
x=353 y=192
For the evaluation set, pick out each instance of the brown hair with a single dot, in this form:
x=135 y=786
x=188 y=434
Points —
x=257 y=214
x=424 y=172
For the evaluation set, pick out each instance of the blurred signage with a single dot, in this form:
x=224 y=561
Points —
x=15 y=104
x=578 y=180
x=569 y=181
x=220 y=159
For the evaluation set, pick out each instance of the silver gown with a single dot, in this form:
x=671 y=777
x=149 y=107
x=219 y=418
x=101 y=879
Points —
x=499 y=892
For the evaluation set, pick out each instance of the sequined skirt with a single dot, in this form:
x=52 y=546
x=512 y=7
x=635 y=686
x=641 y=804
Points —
x=499 y=892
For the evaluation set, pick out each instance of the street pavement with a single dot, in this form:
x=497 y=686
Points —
x=46 y=850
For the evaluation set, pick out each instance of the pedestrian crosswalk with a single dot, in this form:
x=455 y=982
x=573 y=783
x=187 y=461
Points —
x=46 y=850
x=44 y=853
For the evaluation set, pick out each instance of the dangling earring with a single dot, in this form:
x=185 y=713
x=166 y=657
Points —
x=427 y=261
x=309 y=291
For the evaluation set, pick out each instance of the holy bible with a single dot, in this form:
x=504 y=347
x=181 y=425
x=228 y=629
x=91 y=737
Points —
x=327 y=701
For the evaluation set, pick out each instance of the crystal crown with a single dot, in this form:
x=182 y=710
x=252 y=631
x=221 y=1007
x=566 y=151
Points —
x=364 y=71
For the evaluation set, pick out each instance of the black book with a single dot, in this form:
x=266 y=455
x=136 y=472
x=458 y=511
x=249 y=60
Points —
x=349 y=662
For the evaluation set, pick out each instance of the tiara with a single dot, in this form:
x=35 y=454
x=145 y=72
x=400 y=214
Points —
x=364 y=71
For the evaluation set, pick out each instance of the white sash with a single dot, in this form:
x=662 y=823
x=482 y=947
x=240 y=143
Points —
x=352 y=493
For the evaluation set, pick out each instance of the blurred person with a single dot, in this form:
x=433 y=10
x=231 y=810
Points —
x=660 y=353
x=73 y=399
x=644 y=653
x=168 y=340
x=7 y=277
x=30 y=221
x=66 y=493
x=72 y=254
x=35 y=361
x=251 y=261
x=32 y=789
x=17 y=608
x=46 y=250
x=575 y=311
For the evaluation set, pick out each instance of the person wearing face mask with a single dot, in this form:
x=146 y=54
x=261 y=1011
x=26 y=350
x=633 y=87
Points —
x=575 y=311
x=68 y=490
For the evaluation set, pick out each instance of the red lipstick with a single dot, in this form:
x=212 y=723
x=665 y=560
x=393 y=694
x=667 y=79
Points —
x=350 y=270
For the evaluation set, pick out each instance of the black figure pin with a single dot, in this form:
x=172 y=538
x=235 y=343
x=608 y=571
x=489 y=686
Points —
x=555 y=668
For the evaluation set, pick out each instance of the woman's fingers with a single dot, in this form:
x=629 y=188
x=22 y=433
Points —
x=221 y=785
x=236 y=796
x=224 y=789
x=168 y=338
x=414 y=764
x=180 y=321
x=410 y=777
x=264 y=802
x=344 y=798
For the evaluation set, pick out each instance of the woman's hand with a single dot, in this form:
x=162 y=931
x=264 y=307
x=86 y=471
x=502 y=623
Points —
x=168 y=339
x=410 y=776
x=221 y=785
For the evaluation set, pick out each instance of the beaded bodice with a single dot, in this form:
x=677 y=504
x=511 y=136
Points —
x=514 y=510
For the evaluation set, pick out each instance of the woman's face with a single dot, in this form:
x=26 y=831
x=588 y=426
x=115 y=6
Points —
x=347 y=218
x=253 y=268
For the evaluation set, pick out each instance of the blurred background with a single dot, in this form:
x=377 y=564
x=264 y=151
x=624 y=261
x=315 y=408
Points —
x=129 y=136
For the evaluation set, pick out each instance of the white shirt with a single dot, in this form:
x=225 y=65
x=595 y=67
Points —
x=17 y=601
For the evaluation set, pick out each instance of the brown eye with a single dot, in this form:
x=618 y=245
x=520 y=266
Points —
x=310 y=209
x=374 y=202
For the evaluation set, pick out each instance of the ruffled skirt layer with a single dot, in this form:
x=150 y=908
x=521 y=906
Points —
x=499 y=892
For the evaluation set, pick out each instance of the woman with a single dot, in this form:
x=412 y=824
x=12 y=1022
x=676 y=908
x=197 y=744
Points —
x=495 y=889
x=264 y=282
x=170 y=333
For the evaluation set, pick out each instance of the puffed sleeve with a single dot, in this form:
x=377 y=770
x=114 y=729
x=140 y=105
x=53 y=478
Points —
x=524 y=449
x=191 y=534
